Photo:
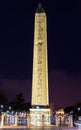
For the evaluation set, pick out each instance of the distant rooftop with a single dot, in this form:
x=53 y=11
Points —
x=40 y=9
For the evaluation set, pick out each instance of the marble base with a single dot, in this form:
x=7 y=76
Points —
x=39 y=117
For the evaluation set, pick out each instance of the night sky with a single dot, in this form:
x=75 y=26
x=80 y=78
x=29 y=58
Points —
x=64 y=49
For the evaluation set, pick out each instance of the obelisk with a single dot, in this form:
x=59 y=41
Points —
x=40 y=112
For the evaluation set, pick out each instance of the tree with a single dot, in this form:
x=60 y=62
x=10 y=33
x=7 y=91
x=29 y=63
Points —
x=20 y=98
x=18 y=102
x=3 y=98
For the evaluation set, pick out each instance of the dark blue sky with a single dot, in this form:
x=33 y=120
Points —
x=64 y=39
x=16 y=36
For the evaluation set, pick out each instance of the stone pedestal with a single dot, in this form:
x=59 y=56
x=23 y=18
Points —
x=16 y=120
x=28 y=120
x=57 y=121
x=39 y=117
x=71 y=120
x=42 y=120
x=2 y=120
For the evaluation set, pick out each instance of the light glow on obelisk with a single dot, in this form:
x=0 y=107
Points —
x=40 y=70
x=40 y=98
